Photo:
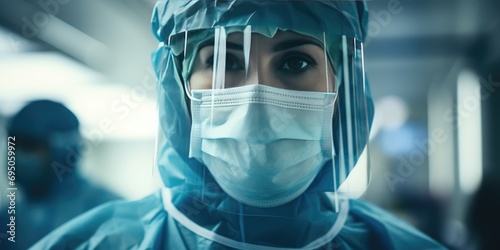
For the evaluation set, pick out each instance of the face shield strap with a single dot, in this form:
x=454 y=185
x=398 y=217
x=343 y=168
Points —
x=326 y=64
x=219 y=75
x=218 y=79
x=247 y=41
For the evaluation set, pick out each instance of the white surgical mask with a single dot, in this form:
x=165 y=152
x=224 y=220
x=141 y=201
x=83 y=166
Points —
x=263 y=145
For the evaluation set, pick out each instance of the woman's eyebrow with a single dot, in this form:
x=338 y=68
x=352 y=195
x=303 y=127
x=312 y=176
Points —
x=288 y=44
x=229 y=45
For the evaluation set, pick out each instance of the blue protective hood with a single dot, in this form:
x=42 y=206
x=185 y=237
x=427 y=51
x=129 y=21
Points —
x=348 y=18
x=185 y=177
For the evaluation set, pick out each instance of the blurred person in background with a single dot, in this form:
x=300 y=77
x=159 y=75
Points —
x=264 y=111
x=50 y=188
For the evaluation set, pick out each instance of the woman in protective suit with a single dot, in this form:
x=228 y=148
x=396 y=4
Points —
x=264 y=112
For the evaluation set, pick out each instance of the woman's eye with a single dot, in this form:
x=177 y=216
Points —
x=297 y=64
x=232 y=62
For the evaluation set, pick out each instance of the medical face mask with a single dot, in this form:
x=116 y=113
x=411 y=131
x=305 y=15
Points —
x=263 y=145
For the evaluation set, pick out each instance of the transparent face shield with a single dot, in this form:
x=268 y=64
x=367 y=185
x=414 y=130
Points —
x=277 y=122
x=287 y=60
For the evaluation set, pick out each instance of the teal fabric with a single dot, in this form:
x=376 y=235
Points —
x=144 y=224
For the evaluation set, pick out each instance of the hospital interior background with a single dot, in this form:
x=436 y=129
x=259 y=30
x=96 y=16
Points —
x=433 y=67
